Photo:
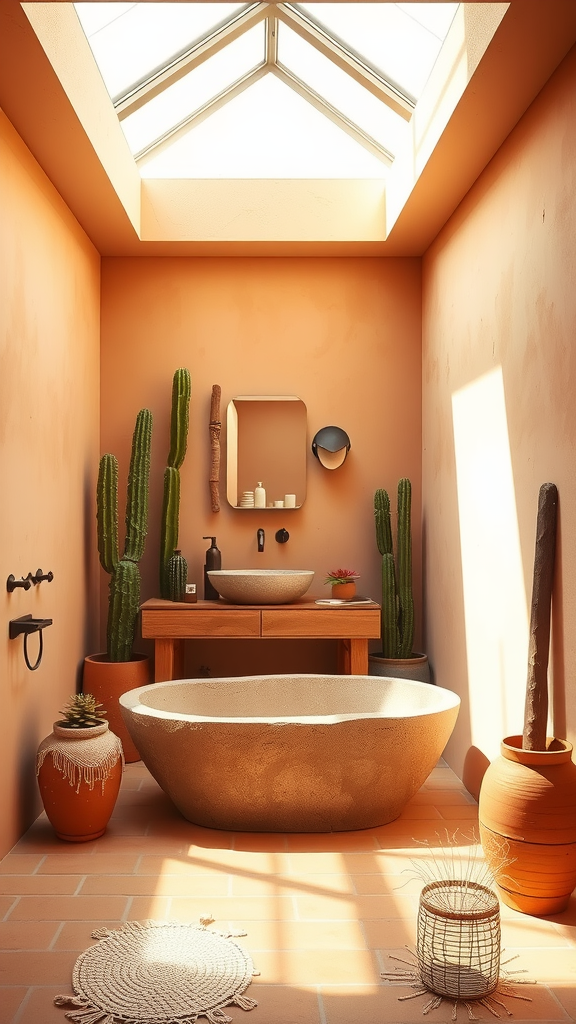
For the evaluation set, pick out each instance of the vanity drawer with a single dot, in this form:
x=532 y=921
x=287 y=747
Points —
x=328 y=623
x=181 y=623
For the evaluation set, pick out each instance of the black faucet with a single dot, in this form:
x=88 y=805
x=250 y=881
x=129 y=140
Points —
x=260 y=536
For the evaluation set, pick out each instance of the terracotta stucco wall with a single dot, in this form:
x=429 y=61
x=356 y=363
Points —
x=499 y=419
x=342 y=334
x=49 y=419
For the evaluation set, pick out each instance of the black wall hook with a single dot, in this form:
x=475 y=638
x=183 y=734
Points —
x=26 y=625
x=12 y=583
x=40 y=576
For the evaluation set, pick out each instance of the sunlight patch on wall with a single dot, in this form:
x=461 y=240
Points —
x=495 y=601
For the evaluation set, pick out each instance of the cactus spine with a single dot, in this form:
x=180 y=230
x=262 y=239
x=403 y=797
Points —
x=397 y=598
x=124 y=599
x=177 y=572
x=171 y=503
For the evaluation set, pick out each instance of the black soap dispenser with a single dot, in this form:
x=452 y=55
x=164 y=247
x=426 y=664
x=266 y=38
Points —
x=213 y=561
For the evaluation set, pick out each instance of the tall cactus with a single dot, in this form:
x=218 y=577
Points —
x=171 y=503
x=124 y=599
x=397 y=599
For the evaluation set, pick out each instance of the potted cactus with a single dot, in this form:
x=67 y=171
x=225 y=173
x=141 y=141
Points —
x=79 y=768
x=109 y=675
x=173 y=567
x=397 y=657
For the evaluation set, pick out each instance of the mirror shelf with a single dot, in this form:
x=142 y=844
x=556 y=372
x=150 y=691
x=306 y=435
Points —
x=266 y=442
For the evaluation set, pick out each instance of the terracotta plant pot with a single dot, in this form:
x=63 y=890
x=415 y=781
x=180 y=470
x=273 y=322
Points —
x=417 y=667
x=79 y=773
x=343 y=591
x=108 y=680
x=527 y=811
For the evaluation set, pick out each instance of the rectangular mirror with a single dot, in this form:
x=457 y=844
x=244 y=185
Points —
x=266 y=441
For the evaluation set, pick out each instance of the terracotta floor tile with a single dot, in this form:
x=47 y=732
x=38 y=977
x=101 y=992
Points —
x=326 y=842
x=279 y=935
x=531 y=931
x=566 y=995
x=166 y=845
x=154 y=908
x=270 y=841
x=27 y=934
x=249 y=908
x=77 y=935
x=39 y=1007
x=329 y=863
x=99 y=863
x=20 y=863
x=355 y=907
x=468 y=812
x=10 y=999
x=314 y=884
x=282 y=1004
x=425 y=811
x=36 y=968
x=68 y=908
x=176 y=864
x=545 y=964
x=316 y=966
x=35 y=885
x=391 y=885
x=390 y=934
x=6 y=905
x=159 y=885
x=439 y=797
x=254 y=862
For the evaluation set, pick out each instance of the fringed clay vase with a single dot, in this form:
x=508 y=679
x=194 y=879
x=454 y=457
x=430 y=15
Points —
x=108 y=680
x=79 y=773
x=527 y=812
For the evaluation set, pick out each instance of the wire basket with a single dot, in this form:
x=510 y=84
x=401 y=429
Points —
x=458 y=943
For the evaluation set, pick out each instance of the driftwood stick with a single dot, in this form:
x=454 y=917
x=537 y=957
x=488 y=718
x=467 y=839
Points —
x=536 y=707
x=215 y=427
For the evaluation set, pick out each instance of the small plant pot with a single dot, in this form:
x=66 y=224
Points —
x=79 y=773
x=417 y=667
x=343 y=591
x=108 y=680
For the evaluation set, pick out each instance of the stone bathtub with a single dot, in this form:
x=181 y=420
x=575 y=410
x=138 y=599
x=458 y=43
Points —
x=302 y=753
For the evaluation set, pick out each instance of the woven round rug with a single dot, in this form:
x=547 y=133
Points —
x=158 y=973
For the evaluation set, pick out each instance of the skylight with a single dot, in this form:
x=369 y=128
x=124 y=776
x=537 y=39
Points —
x=265 y=90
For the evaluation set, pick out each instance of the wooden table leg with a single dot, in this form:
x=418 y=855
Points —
x=168 y=659
x=358 y=655
x=343 y=658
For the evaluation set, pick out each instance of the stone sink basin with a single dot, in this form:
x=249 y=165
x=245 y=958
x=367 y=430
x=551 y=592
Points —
x=261 y=586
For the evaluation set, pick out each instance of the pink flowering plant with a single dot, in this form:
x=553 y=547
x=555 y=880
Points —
x=341 y=576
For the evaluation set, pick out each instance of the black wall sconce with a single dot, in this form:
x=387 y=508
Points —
x=331 y=446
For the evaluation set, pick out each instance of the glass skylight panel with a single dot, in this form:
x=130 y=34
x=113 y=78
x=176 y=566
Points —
x=394 y=39
x=266 y=132
x=191 y=92
x=131 y=40
x=340 y=90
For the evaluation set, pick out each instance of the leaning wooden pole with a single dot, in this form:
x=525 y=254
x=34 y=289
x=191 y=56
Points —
x=536 y=707
x=215 y=427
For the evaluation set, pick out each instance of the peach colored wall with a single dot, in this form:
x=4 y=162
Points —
x=342 y=334
x=499 y=378
x=49 y=386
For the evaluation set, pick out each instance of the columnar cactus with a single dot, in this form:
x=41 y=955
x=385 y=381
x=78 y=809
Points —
x=397 y=599
x=124 y=600
x=171 y=503
x=177 y=574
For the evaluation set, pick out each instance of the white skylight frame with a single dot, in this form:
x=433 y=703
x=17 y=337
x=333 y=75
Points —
x=137 y=95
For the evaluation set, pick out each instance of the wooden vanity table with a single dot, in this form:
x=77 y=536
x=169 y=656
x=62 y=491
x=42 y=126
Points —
x=170 y=623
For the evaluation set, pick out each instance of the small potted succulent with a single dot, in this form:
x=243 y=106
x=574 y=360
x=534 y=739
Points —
x=343 y=583
x=79 y=768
